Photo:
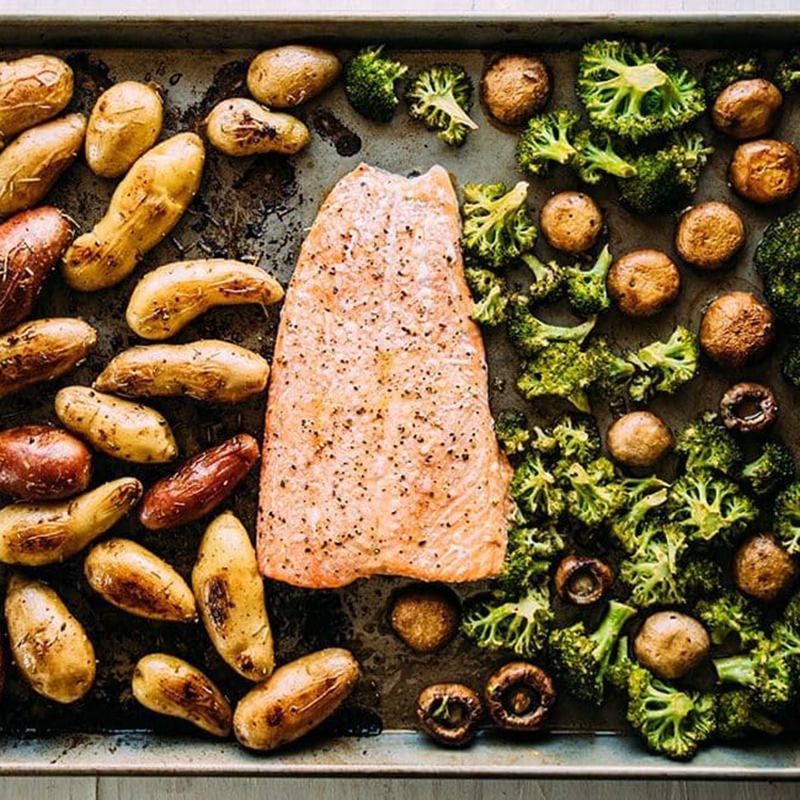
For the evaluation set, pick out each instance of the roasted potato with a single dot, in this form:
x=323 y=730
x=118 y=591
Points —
x=241 y=127
x=295 y=699
x=42 y=350
x=765 y=171
x=515 y=87
x=210 y=370
x=168 y=685
x=33 y=162
x=39 y=462
x=48 y=645
x=132 y=578
x=33 y=534
x=32 y=90
x=671 y=644
x=287 y=76
x=119 y=428
x=31 y=243
x=230 y=596
x=125 y=123
x=170 y=297
x=144 y=208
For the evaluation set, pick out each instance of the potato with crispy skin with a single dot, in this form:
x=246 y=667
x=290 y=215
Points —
x=286 y=76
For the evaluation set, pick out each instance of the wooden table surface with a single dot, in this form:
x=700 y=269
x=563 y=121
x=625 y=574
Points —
x=112 y=788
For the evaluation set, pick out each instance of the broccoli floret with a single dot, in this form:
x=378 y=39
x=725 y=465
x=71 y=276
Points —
x=490 y=293
x=787 y=72
x=501 y=622
x=700 y=577
x=777 y=259
x=595 y=156
x=441 y=97
x=786 y=641
x=671 y=721
x=651 y=571
x=772 y=469
x=580 y=660
x=529 y=334
x=731 y=614
x=511 y=430
x=561 y=370
x=528 y=558
x=643 y=495
x=369 y=79
x=722 y=72
x=577 y=437
x=586 y=288
x=787 y=517
x=497 y=226
x=548 y=280
x=666 y=179
x=620 y=665
x=791 y=613
x=595 y=493
x=635 y=89
x=706 y=444
x=790 y=363
x=709 y=507
x=738 y=714
x=664 y=366
x=546 y=139
x=614 y=373
x=534 y=488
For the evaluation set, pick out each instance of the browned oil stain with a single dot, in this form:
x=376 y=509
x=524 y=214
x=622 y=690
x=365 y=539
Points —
x=326 y=124
x=92 y=78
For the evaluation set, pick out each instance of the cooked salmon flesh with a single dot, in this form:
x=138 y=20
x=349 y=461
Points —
x=379 y=456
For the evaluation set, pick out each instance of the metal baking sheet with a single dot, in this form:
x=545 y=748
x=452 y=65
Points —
x=258 y=210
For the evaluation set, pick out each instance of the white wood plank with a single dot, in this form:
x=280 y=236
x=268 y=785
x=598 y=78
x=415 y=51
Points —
x=48 y=788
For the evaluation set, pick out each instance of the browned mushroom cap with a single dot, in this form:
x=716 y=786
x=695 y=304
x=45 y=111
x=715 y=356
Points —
x=514 y=87
x=709 y=235
x=671 y=644
x=582 y=579
x=424 y=617
x=639 y=439
x=746 y=108
x=763 y=569
x=571 y=222
x=519 y=696
x=643 y=282
x=765 y=170
x=748 y=407
x=449 y=713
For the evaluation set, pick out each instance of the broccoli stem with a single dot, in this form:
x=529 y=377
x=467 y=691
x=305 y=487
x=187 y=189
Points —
x=644 y=77
x=736 y=669
x=762 y=723
x=605 y=637
x=448 y=104
x=507 y=204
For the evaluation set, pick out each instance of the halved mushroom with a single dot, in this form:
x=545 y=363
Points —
x=449 y=713
x=748 y=407
x=519 y=696
x=582 y=580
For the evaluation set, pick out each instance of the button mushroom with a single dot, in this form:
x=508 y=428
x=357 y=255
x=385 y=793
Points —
x=748 y=408
x=639 y=439
x=765 y=170
x=519 y=696
x=449 y=713
x=424 y=617
x=571 y=222
x=582 y=580
x=709 y=235
x=644 y=282
x=514 y=87
x=736 y=329
x=671 y=644
x=763 y=569
x=746 y=109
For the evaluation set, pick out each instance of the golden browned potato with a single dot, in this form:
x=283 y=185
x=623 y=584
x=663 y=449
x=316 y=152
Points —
x=170 y=297
x=671 y=644
x=639 y=439
x=643 y=283
x=32 y=89
x=48 y=645
x=241 y=127
x=515 y=87
x=424 y=618
x=765 y=170
x=295 y=699
x=119 y=428
x=762 y=568
x=209 y=369
x=571 y=222
x=230 y=596
x=747 y=108
x=709 y=235
x=33 y=534
x=736 y=329
x=168 y=685
x=144 y=208
x=41 y=350
x=125 y=122
x=287 y=76
x=132 y=578
x=33 y=162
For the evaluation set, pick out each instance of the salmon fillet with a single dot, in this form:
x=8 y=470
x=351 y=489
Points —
x=379 y=454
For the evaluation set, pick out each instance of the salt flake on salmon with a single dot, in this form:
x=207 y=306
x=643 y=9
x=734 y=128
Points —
x=379 y=454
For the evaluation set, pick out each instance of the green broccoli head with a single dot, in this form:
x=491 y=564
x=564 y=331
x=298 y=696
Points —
x=706 y=444
x=369 y=79
x=643 y=496
x=786 y=513
x=791 y=612
x=577 y=437
x=586 y=288
x=535 y=490
x=777 y=260
x=771 y=470
x=441 y=96
x=664 y=366
x=595 y=494
x=731 y=615
x=700 y=577
x=511 y=430
x=529 y=556
x=722 y=72
x=490 y=293
x=595 y=156
x=614 y=372
x=548 y=280
x=580 y=660
x=620 y=665
x=790 y=363
x=497 y=227
x=546 y=139
x=528 y=334
x=738 y=714
x=635 y=89
x=787 y=72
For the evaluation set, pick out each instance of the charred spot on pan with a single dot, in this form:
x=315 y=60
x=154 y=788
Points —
x=346 y=142
x=92 y=78
x=229 y=81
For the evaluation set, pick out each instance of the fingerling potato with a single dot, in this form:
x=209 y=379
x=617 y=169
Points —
x=32 y=89
x=33 y=534
x=209 y=370
x=200 y=485
x=286 y=76
x=241 y=127
x=295 y=699
x=42 y=350
x=132 y=578
x=168 y=685
x=170 y=297
x=48 y=645
x=40 y=462
x=125 y=122
x=145 y=207
x=230 y=597
x=31 y=244
x=33 y=162
x=119 y=428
